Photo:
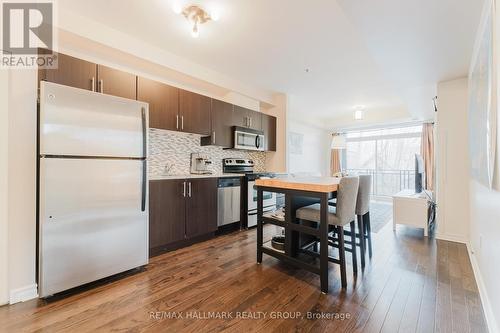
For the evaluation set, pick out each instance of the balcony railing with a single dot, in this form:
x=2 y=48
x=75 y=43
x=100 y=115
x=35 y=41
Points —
x=388 y=182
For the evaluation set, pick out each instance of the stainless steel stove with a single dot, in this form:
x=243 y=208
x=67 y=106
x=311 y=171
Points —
x=246 y=166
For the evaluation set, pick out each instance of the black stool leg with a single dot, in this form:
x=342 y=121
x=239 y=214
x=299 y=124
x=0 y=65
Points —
x=362 y=242
x=343 y=276
x=354 y=249
x=366 y=221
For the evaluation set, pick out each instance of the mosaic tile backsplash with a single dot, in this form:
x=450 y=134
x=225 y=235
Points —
x=175 y=148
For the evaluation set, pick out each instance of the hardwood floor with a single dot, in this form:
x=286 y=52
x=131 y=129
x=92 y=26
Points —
x=411 y=285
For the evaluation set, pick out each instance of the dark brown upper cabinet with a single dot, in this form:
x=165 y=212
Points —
x=244 y=117
x=255 y=120
x=115 y=82
x=83 y=74
x=72 y=72
x=194 y=112
x=221 y=133
x=269 y=128
x=170 y=108
x=163 y=103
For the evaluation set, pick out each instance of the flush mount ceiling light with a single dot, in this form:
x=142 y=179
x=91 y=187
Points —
x=359 y=112
x=195 y=16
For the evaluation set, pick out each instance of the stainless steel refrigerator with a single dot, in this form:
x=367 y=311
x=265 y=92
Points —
x=93 y=186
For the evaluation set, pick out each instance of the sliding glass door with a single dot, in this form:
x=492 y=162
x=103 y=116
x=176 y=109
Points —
x=386 y=154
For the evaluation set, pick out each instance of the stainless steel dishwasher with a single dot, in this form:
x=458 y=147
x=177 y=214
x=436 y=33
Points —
x=228 y=203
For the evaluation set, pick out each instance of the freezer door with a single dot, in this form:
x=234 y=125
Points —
x=92 y=222
x=78 y=122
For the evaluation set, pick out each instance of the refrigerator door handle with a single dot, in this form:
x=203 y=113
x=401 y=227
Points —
x=144 y=134
x=144 y=187
x=144 y=163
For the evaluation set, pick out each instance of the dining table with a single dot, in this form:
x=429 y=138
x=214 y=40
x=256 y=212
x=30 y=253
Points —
x=298 y=192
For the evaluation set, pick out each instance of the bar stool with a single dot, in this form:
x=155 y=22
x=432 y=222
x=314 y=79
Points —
x=338 y=217
x=363 y=215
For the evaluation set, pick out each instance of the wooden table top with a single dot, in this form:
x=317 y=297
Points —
x=312 y=184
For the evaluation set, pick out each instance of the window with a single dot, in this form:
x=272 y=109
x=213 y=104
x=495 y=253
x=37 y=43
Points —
x=386 y=154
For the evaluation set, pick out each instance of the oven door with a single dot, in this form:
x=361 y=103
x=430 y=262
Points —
x=252 y=215
x=269 y=197
x=248 y=141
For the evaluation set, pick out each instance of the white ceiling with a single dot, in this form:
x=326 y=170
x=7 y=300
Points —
x=384 y=54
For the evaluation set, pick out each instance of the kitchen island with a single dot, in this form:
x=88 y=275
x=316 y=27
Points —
x=298 y=191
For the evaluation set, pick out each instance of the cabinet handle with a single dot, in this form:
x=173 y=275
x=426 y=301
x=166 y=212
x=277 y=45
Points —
x=177 y=122
x=184 y=189
x=182 y=123
x=101 y=86
x=250 y=122
x=213 y=137
x=189 y=189
x=92 y=83
x=246 y=121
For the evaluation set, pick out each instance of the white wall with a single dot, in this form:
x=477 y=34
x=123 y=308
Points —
x=485 y=245
x=277 y=161
x=315 y=157
x=467 y=212
x=452 y=161
x=22 y=184
x=4 y=126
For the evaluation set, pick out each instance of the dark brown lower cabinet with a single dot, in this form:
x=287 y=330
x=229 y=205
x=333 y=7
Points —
x=179 y=211
x=167 y=212
x=201 y=207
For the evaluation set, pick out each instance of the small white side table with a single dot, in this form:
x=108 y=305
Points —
x=411 y=209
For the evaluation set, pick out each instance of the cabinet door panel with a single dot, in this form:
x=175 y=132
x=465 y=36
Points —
x=194 y=110
x=255 y=120
x=166 y=212
x=240 y=116
x=247 y=118
x=269 y=128
x=201 y=207
x=163 y=103
x=72 y=72
x=115 y=82
x=222 y=122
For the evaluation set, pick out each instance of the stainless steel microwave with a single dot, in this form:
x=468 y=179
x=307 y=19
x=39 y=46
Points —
x=248 y=139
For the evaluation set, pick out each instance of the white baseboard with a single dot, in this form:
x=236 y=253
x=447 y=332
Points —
x=451 y=238
x=485 y=301
x=23 y=294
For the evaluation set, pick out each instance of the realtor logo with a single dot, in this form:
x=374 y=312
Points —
x=26 y=27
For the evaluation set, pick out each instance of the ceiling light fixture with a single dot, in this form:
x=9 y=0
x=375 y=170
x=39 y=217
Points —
x=359 y=112
x=196 y=16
